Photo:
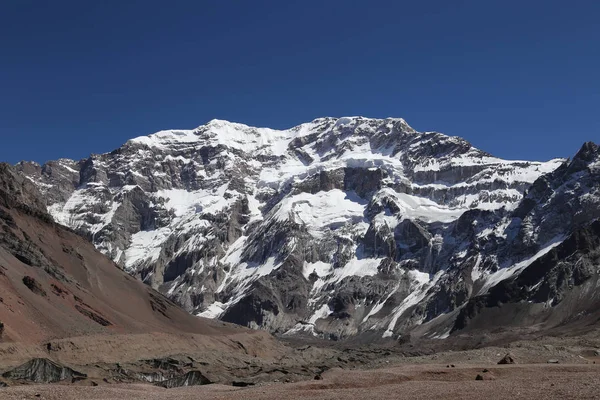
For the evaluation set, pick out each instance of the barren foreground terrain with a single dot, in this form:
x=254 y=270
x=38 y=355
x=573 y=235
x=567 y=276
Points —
x=532 y=381
x=545 y=368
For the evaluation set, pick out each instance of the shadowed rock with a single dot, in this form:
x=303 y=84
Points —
x=507 y=359
x=192 y=378
x=42 y=370
x=34 y=285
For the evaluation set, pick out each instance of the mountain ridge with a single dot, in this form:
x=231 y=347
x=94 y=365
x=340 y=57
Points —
x=334 y=227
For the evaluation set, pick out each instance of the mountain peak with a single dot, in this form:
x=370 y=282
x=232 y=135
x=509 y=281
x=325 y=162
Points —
x=275 y=141
x=589 y=152
x=213 y=215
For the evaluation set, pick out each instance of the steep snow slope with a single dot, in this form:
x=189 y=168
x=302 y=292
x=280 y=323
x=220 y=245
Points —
x=334 y=227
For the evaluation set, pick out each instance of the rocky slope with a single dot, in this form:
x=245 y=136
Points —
x=61 y=301
x=336 y=227
x=55 y=284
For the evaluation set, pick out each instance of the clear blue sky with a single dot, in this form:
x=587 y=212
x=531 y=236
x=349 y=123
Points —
x=520 y=79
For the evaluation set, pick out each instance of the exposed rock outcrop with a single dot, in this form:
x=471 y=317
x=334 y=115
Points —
x=42 y=370
x=192 y=378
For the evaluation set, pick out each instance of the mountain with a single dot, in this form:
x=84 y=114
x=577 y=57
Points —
x=63 y=300
x=334 y=228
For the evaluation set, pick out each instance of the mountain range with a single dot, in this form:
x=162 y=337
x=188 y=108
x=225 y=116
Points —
x=341 y=227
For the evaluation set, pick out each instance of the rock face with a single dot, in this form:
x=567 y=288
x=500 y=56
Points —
x=336 y=227
x=192 y=378
x=42 y=370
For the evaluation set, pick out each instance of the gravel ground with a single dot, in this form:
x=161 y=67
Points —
x=534 y=381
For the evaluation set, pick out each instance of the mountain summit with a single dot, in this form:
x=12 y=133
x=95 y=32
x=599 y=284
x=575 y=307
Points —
x=335 y=227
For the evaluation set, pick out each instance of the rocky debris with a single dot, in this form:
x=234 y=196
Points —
x=553 y=361
x=507 y=359
x=57 y=290
x=42 y=370
x=192 y=378
x=479 y=377
x=34 y=285
x=94 y=316
x=168 y=364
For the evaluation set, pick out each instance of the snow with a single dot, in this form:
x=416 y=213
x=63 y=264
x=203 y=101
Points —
x=443 y=335
x=344 y=121
x=248 y=139
x=413 y=207
x=254 y=206
x=183 y=202
x=321 y=211
x=240 y=276
x=507 y=272
x=419 y=277
x=145 y=246
x=70 y=213
x=499 y=230
x=360 y=155
x=356 y=267
x=476 y=272
x=321 y=268
x=164 y=138
x=430 y=165
x=243 y=271
x=213 y=311
x=380 y=304
x=529 y=173
x=300 y=327
x=322 y=312
x=218 y=132
x=421 y=286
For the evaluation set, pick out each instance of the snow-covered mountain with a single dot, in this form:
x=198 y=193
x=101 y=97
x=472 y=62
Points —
x=335 y=227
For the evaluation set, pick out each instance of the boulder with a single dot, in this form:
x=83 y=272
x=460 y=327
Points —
x=507 y=359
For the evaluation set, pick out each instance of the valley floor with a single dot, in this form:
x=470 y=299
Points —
x=547 y=367
x=425 y=381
